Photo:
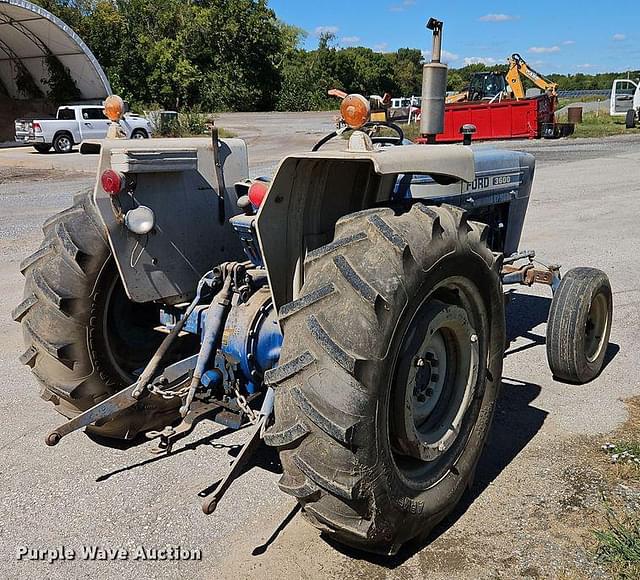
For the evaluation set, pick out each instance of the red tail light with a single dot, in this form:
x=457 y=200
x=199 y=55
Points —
x=37 y=128
x=112 y=182
x=257 y=193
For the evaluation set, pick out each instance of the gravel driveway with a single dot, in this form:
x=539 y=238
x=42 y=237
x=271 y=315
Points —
x=584 y=211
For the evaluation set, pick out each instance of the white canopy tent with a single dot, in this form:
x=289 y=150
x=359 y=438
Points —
x=29 y=34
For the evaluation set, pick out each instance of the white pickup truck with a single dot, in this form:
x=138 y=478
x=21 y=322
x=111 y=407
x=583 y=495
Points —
x=74 y=124
x=625 y=101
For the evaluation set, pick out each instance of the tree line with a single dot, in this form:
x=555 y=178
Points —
x=236 y=55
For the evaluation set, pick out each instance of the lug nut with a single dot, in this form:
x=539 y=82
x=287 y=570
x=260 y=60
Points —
x=419 y=362
x=474 y=338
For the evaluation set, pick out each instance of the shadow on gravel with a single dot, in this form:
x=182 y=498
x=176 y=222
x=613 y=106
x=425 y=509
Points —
x=208 y=440
x=524 y=313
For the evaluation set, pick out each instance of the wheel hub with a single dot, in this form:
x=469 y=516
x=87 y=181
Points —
x=440 y=383
x=429 y=379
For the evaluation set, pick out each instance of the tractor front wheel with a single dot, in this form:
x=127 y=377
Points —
x=389 y=374
x=579 y=325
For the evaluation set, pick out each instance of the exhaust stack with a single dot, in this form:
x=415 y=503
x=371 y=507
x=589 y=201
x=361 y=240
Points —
x=434 y=87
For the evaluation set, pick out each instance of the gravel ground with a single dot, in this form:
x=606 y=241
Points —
x=516 y=523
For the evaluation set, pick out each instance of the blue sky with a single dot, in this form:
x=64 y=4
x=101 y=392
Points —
x=564 y=37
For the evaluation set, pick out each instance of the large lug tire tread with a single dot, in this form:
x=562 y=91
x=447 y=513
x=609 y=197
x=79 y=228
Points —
x=59 y=318
x=327 y=402
x=567 y=317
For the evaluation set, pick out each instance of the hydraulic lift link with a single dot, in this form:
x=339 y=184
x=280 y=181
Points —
x=129 y=396
x=257 y=432
x=121 y=400
x=211 y=503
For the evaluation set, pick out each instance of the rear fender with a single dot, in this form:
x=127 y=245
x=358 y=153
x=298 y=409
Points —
x=176 y=179
x=312 y=191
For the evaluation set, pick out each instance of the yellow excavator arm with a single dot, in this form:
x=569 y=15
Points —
x=519 y=68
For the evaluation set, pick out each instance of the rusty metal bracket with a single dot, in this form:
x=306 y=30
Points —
x=170 y=435
x=529 y=274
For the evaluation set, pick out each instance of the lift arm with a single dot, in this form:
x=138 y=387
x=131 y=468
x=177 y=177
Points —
x=518 y=68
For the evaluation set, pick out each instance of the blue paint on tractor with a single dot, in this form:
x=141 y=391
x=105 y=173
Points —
x=250 y=343
x=252 y=339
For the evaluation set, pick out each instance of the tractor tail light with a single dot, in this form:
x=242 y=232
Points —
x=257 y=193
x=112 y=182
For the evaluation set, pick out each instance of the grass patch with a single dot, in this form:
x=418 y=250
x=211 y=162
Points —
x=619 y=544
x=588 y=99
x=617 y=537
x=601 y=124
x=191 y=124
x=624 y=453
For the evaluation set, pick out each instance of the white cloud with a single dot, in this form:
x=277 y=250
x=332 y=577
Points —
x=381 y=46
x=618 y=37
x=447 y=56
x=350 y=39
x=487 y=60
x=498 y=18
x=585 y=66
x=568 y=42
x=544 y=49
x=320 y=30
x=404 y=5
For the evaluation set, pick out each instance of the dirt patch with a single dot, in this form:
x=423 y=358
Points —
x=603 y=501
x=13 y=174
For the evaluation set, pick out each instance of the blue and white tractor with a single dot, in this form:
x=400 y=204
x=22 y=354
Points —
x=349 y=312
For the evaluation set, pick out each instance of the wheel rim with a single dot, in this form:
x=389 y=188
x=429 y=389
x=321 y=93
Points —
x=138 y=135
x=64 y=144
x=128 y=331
x=596 y=327
x=431 y=398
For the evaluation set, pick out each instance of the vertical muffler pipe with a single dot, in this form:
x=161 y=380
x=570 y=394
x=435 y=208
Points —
x=434 y=87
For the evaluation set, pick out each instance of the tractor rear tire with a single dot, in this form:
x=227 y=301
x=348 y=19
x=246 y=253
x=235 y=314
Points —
x=630 y=120
x=390 y=369
x=579 y=325
x=84 y=338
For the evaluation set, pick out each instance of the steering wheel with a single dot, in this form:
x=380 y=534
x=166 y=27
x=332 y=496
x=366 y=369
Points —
x=390 y=140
